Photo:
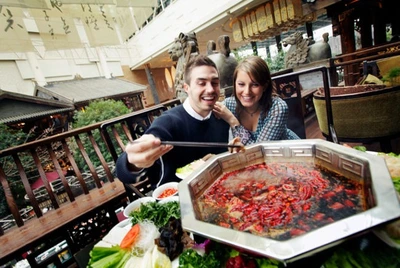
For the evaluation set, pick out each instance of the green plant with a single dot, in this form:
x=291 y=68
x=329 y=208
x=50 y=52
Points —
x=9 y=138
x=392 y=76
x=96 y=111
x=276 y=63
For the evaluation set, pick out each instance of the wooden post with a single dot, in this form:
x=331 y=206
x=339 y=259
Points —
x=346 y=21
x=254 y=48
x=268 y=51
x=309 y=28
x=152 y=84
x=365 y=28
x=278 y=42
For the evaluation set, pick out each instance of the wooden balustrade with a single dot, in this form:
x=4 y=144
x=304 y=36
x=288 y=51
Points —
x=352 y=63
x=85 y=189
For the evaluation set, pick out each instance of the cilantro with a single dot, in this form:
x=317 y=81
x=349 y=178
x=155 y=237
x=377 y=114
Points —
x=191 y=259
x=158 y=213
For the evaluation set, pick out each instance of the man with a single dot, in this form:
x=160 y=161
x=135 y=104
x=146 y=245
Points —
x=191 y=121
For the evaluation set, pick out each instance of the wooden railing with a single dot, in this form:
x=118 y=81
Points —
x=86 y=189
x=352 y=63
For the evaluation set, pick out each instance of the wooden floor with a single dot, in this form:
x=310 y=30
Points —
x=312 y=128
x=314 y=132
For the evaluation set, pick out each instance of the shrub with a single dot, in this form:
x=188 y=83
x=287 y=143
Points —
x=9 y=138
x=96 y=111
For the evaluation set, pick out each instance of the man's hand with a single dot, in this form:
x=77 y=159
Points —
x=143 y=152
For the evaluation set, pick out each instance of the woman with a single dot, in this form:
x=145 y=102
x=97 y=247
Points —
x=254 y=113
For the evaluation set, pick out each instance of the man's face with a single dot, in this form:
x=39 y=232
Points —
x=203 y=90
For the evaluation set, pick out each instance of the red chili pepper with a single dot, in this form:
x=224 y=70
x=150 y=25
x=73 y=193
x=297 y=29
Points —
x=167 y=192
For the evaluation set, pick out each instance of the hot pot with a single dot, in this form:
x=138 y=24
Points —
x=379 y=196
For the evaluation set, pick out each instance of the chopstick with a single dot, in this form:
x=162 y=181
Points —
x=198 y=144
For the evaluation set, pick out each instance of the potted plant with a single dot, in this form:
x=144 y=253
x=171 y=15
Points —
x=392 y=78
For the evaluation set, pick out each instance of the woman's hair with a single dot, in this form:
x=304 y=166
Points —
x=259 y=72
x=196 y=61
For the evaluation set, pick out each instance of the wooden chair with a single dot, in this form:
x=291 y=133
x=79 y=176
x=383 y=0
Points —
x=289 y=89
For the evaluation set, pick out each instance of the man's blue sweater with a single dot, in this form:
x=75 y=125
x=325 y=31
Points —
x=177 y=125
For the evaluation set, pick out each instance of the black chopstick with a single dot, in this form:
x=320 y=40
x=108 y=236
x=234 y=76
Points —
x=198 y=144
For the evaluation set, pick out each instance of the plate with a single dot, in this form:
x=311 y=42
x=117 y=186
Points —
x=136 y=204
x=123 y=223
x=380 y=233
x=185 y=171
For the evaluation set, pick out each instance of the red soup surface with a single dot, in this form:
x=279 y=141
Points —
x=280 y=200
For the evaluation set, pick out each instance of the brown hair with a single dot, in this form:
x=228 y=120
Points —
x=196 y=61
x=259 y=72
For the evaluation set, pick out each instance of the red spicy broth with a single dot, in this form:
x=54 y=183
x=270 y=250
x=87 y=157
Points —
x=280 y=200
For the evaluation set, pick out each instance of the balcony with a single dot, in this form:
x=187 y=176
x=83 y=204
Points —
x=77 y=207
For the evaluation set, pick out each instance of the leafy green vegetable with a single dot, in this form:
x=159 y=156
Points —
x=217 y=256
x=396 y=182
x=191 y=259
x=360 y=148
x=185 y=169
x=158 y=213
x=267 y=263
x=371 y=256
x=103 y=257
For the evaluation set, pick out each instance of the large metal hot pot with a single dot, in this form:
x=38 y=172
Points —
x=381 y=200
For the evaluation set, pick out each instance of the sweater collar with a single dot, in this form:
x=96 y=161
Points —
x=188 y=108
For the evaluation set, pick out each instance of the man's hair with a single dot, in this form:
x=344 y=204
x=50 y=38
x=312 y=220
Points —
x=197 y=61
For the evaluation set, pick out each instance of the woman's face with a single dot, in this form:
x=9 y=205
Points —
x=248 y=92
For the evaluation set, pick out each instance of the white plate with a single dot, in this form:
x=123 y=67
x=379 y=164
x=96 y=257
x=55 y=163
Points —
x=385 y=237
x=182 y=175
x=190 y=168
x=123 y=223
x=136 y=204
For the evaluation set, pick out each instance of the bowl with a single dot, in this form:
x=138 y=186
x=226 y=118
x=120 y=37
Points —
x=161 y=190
x=170 y=199
x=136 y=204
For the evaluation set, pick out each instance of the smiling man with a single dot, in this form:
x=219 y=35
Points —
x=192 y=121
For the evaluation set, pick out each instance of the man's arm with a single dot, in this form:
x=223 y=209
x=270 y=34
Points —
x=132 y=164
x=126 y=173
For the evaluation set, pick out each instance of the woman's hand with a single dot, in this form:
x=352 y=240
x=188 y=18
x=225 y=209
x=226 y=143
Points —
x=143 y=152
x=236 y=141
x=224 y=113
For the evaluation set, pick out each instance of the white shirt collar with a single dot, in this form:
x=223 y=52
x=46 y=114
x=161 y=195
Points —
x=188 y=108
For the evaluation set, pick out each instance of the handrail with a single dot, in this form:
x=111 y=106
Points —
x=376 y=49
x=79 y=196
x=360 y=56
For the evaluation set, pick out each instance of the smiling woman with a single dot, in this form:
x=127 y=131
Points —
x=254 y=113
